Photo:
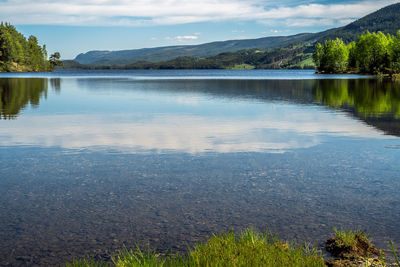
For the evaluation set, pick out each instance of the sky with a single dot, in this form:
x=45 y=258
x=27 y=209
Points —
x=77 y=26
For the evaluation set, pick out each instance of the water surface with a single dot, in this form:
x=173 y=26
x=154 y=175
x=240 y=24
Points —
x=93 y=161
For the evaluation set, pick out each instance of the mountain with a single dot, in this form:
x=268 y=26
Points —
x=203 y=50
x=386 y=20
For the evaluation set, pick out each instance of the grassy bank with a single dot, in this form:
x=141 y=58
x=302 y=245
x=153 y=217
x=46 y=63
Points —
x=250 y=248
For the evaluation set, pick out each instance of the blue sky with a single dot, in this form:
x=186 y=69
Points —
x=76 y=26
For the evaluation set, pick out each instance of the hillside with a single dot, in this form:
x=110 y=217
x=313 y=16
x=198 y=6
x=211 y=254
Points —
x=288 y=57
x=386 y=20
x=202 y=51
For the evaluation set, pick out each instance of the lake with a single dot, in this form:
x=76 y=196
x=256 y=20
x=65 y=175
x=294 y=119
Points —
x=92 y=161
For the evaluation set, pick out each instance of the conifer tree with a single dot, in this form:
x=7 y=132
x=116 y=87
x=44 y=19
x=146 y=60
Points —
x=20 y=54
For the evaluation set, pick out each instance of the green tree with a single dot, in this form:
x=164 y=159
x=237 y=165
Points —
x=352 y=63
x=394 y=50
x=20 y=54
x=54 y=60
x=372 y=54
x=11 y=44
x=332 y=57
x=34 y=57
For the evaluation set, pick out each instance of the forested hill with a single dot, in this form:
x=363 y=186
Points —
x=19 y=54
x=386 y=20
x=202 y=51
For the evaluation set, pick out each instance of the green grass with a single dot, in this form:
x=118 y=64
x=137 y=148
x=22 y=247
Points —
x=348 y=238
x=394 y=253
x=351 y=244
x=249 y=248
x=138 y=257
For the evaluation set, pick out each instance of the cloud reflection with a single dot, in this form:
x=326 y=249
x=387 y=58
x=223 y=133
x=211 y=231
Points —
x=275 y=133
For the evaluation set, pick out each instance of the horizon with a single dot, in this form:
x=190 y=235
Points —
x=95 y=25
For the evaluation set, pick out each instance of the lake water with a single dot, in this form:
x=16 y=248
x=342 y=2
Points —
x=93 y=161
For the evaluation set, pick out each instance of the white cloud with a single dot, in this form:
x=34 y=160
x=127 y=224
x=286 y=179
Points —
x=309 y=22
x=154 y=12
x=182 y=38
x=186 y=38
x=273 y=31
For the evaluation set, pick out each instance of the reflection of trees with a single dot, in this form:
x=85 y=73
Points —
x=56 y=84
x=16 y=93
x=369 y=97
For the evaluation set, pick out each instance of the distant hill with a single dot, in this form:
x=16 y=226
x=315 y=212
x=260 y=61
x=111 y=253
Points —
x=203 y=50
x=386 y=20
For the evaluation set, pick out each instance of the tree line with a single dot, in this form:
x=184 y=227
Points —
x=372 y=53
x=18 y=53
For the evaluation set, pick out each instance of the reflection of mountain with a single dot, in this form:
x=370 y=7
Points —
x=298 y=91
x=16 y=93
x=377 y=102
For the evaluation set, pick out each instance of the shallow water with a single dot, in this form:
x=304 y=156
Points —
x=92 y=161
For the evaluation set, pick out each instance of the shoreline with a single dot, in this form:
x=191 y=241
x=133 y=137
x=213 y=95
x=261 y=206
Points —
x=251 y=248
